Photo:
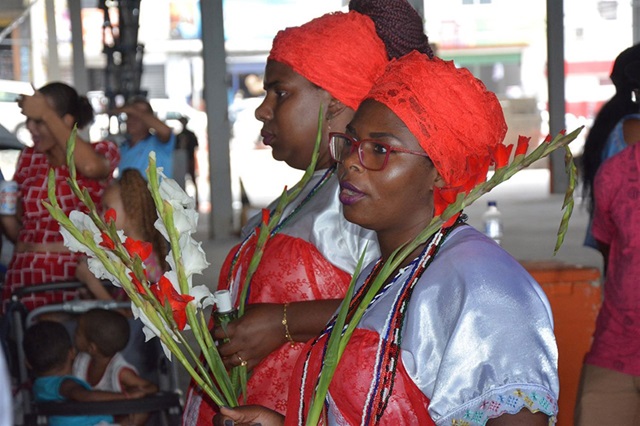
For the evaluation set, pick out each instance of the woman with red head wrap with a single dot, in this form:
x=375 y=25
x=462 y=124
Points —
x=460 y=333
x=331 y=63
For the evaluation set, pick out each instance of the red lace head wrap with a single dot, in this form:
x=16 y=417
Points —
x=457 y=121
x=339 y=52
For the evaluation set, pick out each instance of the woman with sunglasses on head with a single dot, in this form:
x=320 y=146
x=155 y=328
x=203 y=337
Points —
x=330 y=62
x=459 y=333
x=40 y=255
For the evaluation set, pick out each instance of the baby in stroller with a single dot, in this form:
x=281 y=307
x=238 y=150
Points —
x=100 y=337
x=50 y=354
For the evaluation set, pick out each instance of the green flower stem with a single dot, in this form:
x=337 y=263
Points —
x=339 y=335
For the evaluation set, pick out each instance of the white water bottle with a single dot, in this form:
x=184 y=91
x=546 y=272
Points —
x=492 y=221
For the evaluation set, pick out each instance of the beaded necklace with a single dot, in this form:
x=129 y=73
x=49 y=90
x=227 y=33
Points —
x=391 y=334
x=245 y=247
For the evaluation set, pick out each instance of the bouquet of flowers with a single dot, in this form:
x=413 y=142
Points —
x=173 y=305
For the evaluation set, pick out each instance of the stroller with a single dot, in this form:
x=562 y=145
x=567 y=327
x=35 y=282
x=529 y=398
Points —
x=165 y=406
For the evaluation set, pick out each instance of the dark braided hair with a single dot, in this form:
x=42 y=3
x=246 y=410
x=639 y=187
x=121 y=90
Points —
x=398 y=25
x=67 y=101
x=140 y=208
x=608 y=116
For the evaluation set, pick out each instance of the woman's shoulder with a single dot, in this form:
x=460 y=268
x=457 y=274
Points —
x=470 y=262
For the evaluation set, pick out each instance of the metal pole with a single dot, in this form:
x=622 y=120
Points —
x=555 y=74
x=53 y=63
x=80 y=77
x=218 y=130
x=635 y=5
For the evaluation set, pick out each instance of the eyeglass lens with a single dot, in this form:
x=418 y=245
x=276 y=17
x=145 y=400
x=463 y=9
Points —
x=372 y=155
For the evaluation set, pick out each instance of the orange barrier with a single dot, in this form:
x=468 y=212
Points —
x=575 y=296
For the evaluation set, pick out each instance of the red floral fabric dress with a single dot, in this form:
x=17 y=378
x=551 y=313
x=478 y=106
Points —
x=38 y=226
x=407 y=404
x=307 y=260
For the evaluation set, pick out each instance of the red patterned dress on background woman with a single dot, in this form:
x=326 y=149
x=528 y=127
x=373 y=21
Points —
x=29 y=268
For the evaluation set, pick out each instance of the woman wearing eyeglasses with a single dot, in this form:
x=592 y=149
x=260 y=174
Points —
x=460 y=334
x=330 y=62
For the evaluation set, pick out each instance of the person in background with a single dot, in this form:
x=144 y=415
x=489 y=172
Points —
x=459 y=333
x=609 y=391
x=50 y=356
x=607 y=136
x=145 y=133
x=188 y=141
x=136 y=213
x=40 y=255
x=101 y=335
x=309 y=67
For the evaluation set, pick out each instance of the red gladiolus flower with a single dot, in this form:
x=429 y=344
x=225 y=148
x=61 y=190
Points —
x=547 y=139
x=107 y=242
x=165 y=292
x=478 y=168
x=110 y=215
x=501 y=155
x=140 y=248
x=523 y=145
x=266 y=214
x=136 y=282
x=442 y=197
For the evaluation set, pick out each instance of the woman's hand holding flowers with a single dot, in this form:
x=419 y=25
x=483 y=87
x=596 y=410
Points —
x=248 y=415
x=253 y=336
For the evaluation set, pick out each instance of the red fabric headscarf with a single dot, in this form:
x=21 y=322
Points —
x=340 y=52
x=457 y=121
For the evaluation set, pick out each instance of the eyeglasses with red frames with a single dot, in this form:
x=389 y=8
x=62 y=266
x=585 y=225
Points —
x=373 y=155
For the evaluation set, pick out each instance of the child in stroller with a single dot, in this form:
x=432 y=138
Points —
x=100 y=337
x=50 y=355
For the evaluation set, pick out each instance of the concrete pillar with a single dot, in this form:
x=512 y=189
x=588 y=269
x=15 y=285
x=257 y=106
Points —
x=218 y=130
x=80 y=77
x=555 y=76
x=53 y=63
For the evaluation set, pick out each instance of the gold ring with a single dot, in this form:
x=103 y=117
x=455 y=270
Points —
x=243 y=363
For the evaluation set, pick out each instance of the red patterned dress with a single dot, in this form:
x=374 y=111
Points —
x=311 y=258
x=39 y=227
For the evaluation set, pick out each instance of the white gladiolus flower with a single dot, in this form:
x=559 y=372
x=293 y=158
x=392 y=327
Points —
x=170 y=190
x=150 y=330
x=173 y=278
x=83 y=223
x=97 y=268
x=194 y=259
x=184 y=220
x=202 y=296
